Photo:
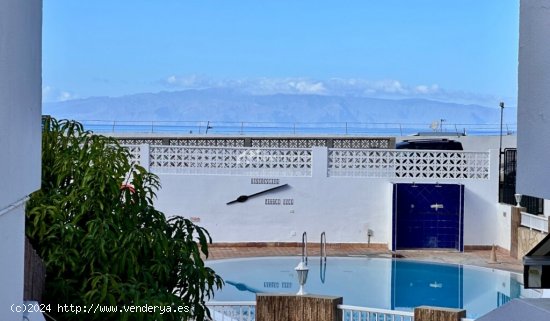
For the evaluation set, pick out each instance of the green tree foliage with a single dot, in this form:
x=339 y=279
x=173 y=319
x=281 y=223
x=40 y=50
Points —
x=107 y=245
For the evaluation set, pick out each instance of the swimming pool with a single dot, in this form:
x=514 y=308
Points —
x=373 y=282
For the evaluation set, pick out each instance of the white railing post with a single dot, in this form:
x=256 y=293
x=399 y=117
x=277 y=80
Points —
x=144 y=159
x=319 y=160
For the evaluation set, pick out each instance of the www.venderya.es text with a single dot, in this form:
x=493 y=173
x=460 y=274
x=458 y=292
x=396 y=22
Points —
x=98 y=308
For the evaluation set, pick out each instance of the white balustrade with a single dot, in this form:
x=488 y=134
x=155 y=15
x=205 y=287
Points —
x=376 y=163
x=246 y=311
x=297 y=162
x=535 y=222
x=354 y=313
x=232 y=311
x=230 y=161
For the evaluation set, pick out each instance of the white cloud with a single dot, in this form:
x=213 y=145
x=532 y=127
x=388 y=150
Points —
x=317 y=88
x=423 y=89
x=306 y=87
x=172 y=80
x=384 y=88
x=390 y=86
x=65 y=95
x=52 y=94
x=189 y=82
x=253 y=86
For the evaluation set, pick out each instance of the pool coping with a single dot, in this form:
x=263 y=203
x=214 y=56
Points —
x=472 y=256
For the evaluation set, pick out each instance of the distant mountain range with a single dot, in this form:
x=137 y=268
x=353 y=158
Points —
x=227 y=105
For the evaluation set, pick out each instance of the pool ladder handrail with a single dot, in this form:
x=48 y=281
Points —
x=323 y=244
x=304 y=248
x=323 y=258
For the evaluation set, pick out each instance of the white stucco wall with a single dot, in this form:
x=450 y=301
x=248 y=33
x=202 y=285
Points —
x=504 y=226
x=534 y=99
x=480 y=207
x=345 y=207
x=20 y=109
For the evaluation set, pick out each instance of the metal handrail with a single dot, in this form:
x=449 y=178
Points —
x=323 y=244
x=240 y=127
x=304 y=248
x=323 y=257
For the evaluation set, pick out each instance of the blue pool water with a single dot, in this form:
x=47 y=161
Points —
x=373 y=282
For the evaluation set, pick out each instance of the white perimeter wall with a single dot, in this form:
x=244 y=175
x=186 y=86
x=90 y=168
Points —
x=343 y=207
x=20 y=109
x=534 y=99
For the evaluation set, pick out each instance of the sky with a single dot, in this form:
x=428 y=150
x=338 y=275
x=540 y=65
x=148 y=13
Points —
x=451 y=50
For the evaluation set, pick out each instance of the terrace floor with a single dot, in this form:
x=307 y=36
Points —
x=468 y=257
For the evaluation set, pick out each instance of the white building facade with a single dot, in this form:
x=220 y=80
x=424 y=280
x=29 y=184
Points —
x=534 y=99
x=20 y=143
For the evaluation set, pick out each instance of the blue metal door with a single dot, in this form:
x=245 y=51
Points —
x=428 y=216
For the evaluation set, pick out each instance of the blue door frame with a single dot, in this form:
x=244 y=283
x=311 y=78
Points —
x=428 y=216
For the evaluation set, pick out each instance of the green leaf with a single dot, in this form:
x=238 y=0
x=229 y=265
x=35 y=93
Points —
x=105 y=245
